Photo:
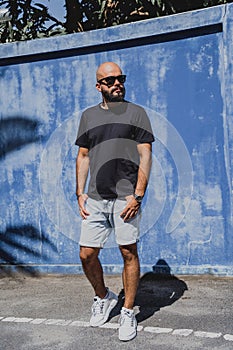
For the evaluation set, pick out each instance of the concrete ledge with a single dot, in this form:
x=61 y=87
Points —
x=222 y=271
x=128 y=31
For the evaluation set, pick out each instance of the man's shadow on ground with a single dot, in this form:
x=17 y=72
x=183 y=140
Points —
x=156 y=289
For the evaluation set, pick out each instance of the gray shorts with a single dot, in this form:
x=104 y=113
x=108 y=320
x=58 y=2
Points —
x=105 y=217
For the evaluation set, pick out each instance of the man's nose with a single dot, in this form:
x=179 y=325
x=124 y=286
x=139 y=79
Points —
x=116 y=82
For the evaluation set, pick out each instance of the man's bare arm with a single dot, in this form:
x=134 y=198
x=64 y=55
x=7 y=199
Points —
x=144 y=151
x=82 y=168
x=132 y=207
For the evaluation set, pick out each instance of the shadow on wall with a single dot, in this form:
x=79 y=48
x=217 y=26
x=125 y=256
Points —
x=20 y=244
x=17 y=132
x=19 y=241
x=156 y=289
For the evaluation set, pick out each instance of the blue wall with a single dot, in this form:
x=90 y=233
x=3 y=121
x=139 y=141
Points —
x=179 y=69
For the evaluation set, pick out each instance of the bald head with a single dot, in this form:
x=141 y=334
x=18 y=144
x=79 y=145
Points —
x=113 y=90
x=107 y=69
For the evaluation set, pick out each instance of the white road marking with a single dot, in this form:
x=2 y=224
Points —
x=158 y=330
x=110 y=325
x=38 y=320
x=23 y=319
x=80 y=324
x=8 y=319
x=207 y=334
x=182 y=332
x=57 y=322
x=228 y=337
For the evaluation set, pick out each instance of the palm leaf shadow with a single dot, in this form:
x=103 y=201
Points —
x=17 y=132
x=20 y=244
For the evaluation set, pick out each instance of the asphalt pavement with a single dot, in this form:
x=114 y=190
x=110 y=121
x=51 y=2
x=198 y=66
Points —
x=173 y=312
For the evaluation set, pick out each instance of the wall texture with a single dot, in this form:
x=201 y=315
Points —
x=179 y=69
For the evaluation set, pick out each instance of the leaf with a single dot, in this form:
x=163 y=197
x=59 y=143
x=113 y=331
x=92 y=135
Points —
x=42 y=6
x=103 y=5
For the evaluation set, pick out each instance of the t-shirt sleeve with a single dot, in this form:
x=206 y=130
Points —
x=143 y=132
x=82 y=136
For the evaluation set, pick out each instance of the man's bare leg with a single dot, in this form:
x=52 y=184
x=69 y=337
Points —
x=131 y=273
x=93 y=270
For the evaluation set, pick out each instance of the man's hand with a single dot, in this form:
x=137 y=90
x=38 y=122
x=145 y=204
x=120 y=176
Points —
x=81 y=202
x=131 y=208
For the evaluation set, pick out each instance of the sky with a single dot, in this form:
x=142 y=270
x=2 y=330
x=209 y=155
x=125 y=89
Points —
x=56 y=8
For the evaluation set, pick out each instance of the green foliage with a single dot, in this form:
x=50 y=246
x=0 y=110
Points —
x=30 y=21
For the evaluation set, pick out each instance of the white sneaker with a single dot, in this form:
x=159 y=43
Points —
x=101 y=309
x=128 y=325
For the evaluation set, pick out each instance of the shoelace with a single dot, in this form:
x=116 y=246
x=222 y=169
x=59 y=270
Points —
x=98 y=306
x=123 y=319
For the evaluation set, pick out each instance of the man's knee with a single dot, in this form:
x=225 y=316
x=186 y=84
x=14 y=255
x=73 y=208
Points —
x=88 y=254
x=129 y=252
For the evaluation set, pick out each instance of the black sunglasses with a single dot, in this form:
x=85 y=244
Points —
x=111 y=80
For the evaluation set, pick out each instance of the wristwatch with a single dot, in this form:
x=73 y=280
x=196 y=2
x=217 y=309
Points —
x=138 y=198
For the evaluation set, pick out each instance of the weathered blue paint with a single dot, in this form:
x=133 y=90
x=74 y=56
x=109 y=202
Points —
x=180 y=69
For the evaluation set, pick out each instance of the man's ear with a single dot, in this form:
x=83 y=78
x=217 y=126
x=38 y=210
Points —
x=97 y=85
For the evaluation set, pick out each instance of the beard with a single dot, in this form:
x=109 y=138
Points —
x=110 y=97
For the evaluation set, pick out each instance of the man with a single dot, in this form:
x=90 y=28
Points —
x=114 y=140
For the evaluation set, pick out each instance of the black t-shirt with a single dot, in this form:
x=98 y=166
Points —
x=111 y=136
